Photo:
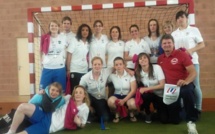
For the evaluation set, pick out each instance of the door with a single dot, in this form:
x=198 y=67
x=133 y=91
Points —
x=23 y=66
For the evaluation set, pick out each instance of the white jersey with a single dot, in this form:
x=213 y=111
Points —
x=114 y=49
x=55 y=58
x=98 y=48
x=58 y=116
x=188 y=38
x=79 y=51
x=154 y=47
x=133 y=48
x=158 y=75
x=96 y=88
x=122 y=85
x=69 y=36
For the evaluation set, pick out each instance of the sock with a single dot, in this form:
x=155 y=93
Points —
x=11 y=132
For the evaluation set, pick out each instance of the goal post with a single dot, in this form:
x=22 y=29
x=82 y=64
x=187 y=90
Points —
x=121 y=14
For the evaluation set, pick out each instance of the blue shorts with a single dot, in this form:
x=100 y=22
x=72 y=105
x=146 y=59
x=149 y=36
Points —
x=53 y=75
x=41 y=122
x=119 y=96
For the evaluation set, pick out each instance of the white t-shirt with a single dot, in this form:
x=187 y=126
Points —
x=55 y=58
x=114 y=49
x=98 y=48
x=58 y=117
x=133 y=48
x=154 y=47
x=188 y=38
x=158 y=75
x=122 y=85
x=69 y=36
x=79 y=51
x=96 y=88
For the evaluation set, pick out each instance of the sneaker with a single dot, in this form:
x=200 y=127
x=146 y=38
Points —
x=5 y=121
x=191 y=128
x=148 y=119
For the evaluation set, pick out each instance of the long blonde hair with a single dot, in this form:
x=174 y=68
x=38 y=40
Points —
x=86 y=98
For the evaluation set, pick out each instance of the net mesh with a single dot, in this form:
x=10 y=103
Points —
x=122 y=17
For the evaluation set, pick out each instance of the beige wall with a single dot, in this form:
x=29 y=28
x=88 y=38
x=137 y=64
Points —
x=13 y=25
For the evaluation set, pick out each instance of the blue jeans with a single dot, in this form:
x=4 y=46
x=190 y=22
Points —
x=197 y=90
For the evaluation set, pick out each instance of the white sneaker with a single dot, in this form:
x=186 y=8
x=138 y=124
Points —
x=191 y=128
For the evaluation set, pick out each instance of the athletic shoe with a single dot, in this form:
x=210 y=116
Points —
x=5 y=121
x=148 y=119
x=191 y=128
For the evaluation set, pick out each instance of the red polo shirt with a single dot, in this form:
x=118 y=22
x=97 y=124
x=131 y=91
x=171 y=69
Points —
x=174 y=66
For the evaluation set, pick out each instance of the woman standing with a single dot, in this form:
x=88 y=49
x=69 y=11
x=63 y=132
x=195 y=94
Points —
x=115 y=48
x=191 y=39
x=125 y=88
x=167 y=28
x=99 y=42
x=53 y=49
x=153 y=39
x=134 y=47
x=77 y=62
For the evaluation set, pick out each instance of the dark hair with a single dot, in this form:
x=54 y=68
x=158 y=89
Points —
x=79 y=35
x=180 y=14
x=167 y=36
x=54 y=21
x=119 y=58
x=118 y=29
x=139 y=68
x=97 y=21
x=67 y=18
x=133 y=25
x=157 y=30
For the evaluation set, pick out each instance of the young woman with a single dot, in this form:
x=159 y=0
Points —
x=125 y=88
x=152 y=77
x=153 y=39
x=115 y=48
x=134 y=47
x=38 y=111
x=74 y=112
x=53 y=55
x=191 y=39
x=95 y=83
x=77 y=62
x=167 y=28
x=99 y=42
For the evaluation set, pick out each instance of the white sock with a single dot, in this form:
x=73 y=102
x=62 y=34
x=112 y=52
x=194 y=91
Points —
x=11 y=132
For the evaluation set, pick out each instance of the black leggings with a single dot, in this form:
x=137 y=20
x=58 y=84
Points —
x=75 y=79
x=101 y=108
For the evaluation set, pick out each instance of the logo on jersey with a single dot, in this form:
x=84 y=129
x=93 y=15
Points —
x=174 y=61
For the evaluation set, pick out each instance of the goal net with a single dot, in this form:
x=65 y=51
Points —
x=120 y=14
